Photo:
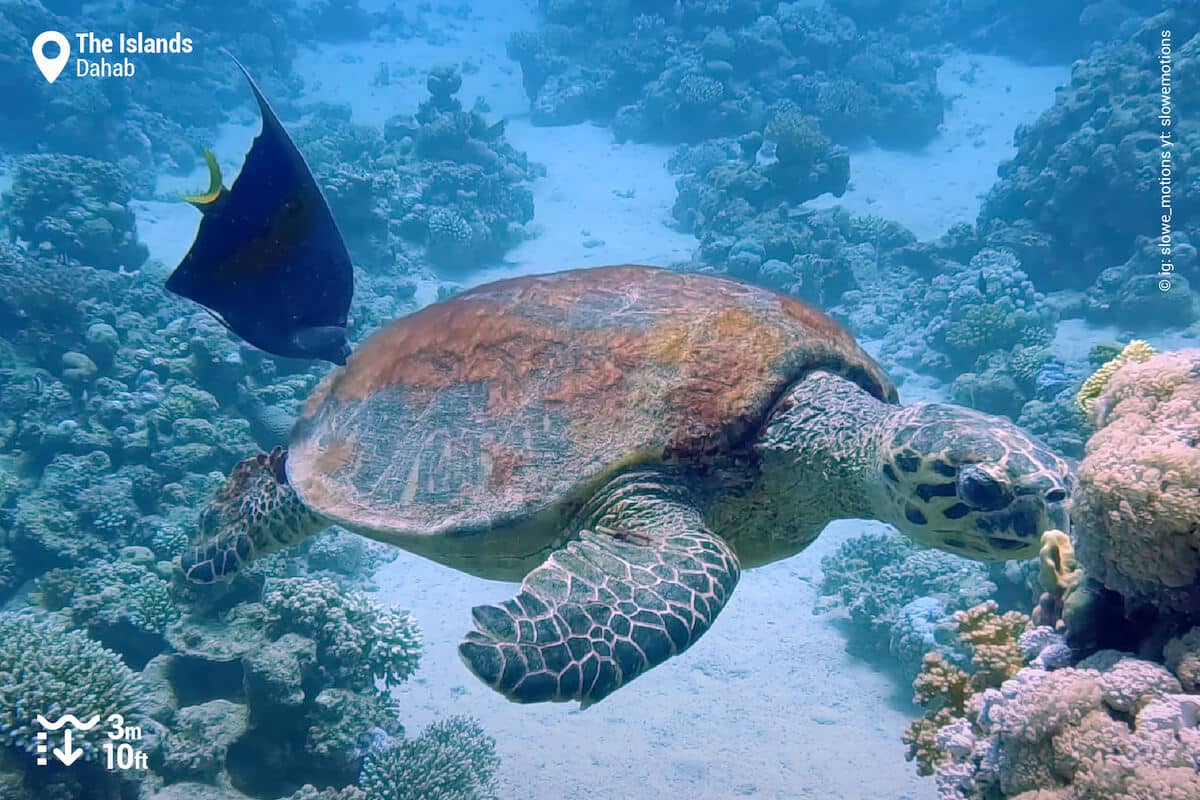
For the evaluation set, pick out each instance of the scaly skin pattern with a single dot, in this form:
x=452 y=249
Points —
x=948 y=477
x=644 y=580
x=254 y=514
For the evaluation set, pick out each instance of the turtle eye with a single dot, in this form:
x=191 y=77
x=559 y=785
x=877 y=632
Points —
x=982 y=490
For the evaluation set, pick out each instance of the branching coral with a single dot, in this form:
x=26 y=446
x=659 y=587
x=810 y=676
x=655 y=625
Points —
x=47 y=669
x=901 y=597
x=994 y=642
x=357 y=640
x=876 y=574
x=946 y=690
x=122 y=595
x=452 y=759
x=1136 y=515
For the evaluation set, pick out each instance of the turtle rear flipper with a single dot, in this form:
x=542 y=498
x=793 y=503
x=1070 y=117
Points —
x=641 y=584
x=254 y=514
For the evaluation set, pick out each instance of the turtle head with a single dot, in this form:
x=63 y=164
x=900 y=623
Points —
x=255 y=512
x=970 y=483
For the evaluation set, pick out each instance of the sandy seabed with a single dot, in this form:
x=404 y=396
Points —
x=768 y=704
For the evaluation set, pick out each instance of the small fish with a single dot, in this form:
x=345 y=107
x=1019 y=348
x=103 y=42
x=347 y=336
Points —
x=268 y=260
x=39 y=385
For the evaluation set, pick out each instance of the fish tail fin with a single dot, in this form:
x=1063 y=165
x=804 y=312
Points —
x=205 y=199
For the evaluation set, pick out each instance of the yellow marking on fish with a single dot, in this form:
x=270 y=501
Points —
x=215 y=187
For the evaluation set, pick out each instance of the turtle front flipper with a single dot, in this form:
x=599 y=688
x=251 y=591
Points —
x=643 y=582
x=255 y=513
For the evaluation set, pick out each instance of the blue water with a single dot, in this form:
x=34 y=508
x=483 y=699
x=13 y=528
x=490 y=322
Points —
x=963 y=189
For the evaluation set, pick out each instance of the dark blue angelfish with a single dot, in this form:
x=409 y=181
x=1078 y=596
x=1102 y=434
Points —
x=268 y=260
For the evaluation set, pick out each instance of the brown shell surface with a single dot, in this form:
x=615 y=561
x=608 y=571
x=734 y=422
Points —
x=521 y=395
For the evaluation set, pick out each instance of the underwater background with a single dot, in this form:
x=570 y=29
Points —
x=974 y=188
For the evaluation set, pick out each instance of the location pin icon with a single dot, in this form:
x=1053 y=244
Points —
x=51 y=67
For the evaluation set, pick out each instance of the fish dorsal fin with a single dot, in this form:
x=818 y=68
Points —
x=216 y=188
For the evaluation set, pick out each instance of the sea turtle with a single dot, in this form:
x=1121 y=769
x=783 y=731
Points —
x=623 y=441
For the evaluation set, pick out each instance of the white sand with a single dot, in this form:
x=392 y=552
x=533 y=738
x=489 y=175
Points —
x=941 y=184
x=768 y=704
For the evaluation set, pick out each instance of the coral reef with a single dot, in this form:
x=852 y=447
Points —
x=1086 y=172
x=48 y=668
x=946 y=690
x=1111 y=726
x=991 y=305
x=76 y=209
x=452 y=759
x=442 y=185
x=900 y=598
x=705 y=70
x=357 y=642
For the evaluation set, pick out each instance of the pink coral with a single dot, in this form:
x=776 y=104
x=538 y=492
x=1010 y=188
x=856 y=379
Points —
x=1182 y=656
x=1112 y=727
x=1137 y=510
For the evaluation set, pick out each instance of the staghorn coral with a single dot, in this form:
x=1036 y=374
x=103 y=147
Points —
x=1136 y=515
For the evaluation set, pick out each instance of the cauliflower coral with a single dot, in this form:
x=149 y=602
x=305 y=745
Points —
x=1137 y=509
x=1111 y=727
